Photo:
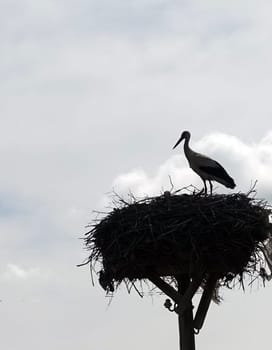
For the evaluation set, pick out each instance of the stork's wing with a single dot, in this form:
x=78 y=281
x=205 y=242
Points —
x=215 y=169
x=203 y=162
x=219 y=174
x=208 y=168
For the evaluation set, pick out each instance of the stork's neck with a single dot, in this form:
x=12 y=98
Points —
x=186 y=147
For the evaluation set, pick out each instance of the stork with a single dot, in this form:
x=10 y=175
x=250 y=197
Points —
x=207 y=168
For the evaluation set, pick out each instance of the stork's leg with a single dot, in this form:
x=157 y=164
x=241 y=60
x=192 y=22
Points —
x=205 y=187
x=211 y=186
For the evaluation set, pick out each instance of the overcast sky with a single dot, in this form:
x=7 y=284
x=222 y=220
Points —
x=94 y=94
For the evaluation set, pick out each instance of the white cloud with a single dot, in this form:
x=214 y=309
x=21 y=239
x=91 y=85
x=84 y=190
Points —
x=245 y=162
x=21 y=273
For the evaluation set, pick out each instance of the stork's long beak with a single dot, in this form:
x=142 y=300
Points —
x=178 y=142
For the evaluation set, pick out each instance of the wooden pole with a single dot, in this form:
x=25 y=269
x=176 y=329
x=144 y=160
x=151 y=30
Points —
x=205 y=302
x=189 y=292
x=185 y=318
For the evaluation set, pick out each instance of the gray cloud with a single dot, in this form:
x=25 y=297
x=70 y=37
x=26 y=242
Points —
x=90 y=91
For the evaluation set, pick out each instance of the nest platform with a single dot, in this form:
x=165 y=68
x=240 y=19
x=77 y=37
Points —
x=174 y=234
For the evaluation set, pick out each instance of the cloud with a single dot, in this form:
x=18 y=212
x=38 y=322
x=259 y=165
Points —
x=93 y=89
x=195 y=64
x=245 y=162
x=14 y=271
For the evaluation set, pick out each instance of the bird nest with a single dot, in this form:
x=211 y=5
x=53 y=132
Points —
x=174 y=234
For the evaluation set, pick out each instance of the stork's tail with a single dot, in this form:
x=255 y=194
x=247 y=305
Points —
x=230 y=183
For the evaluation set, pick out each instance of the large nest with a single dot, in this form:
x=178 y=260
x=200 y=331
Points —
x=175 y=234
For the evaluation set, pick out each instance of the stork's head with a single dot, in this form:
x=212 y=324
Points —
x=184 y=136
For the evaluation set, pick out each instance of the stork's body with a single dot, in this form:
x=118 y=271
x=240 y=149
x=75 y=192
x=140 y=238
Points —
x=207 y=168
